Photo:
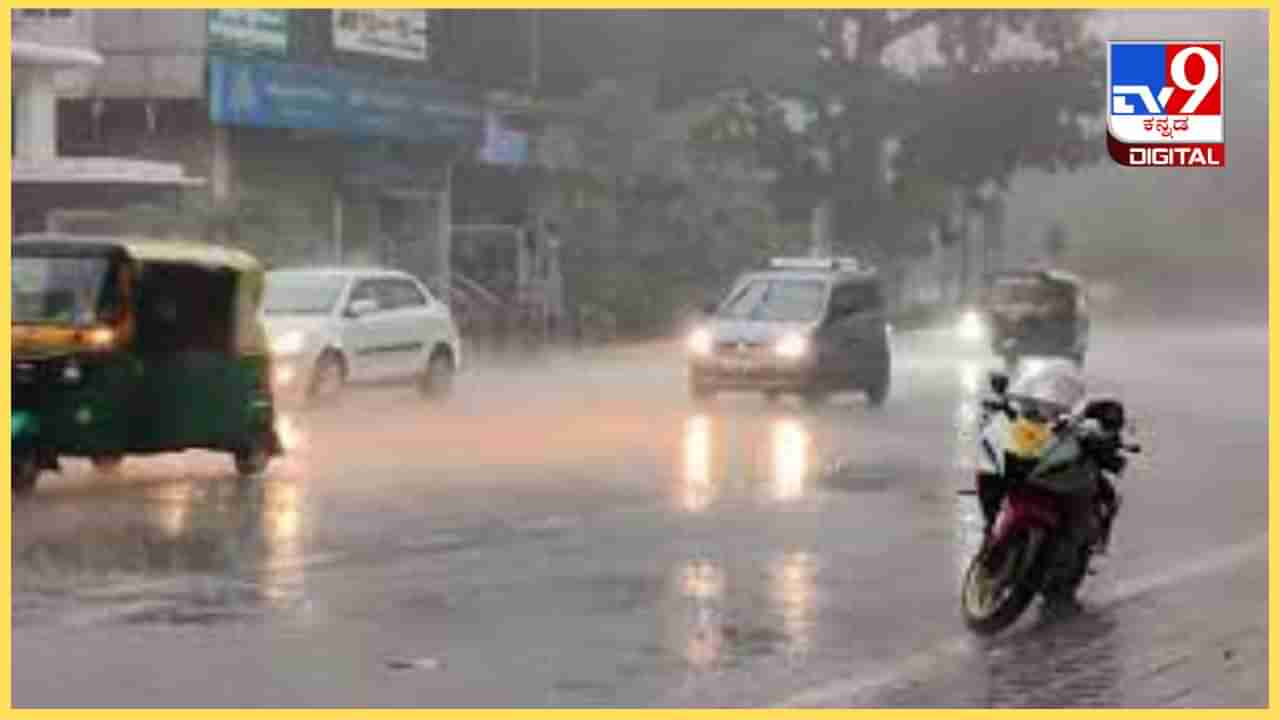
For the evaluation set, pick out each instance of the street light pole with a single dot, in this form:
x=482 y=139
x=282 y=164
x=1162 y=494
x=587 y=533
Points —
x=535 y=52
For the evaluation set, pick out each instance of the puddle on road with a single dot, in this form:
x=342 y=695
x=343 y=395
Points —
x=179 y=552
x=762 y=459
x=715 y=615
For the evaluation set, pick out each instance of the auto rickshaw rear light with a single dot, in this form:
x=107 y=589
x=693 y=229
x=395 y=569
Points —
x=100 y=337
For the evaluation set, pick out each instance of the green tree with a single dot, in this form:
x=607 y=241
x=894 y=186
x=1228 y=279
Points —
x=909 y=109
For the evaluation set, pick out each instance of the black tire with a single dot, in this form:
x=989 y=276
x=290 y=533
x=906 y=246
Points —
x=878 y=391
x=437 y=378
x=328 y=380
x=252 y=460
x=25 y=473
x=1066 y=587
x=700 y=392
x=107 y=464
x=1015 y=561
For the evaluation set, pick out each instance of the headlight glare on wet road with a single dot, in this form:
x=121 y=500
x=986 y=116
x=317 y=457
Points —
x=288 y=344
x=700 y=342
x=284 y=374
x=971 y=327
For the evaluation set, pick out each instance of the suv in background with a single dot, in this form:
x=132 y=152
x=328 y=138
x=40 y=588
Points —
x=810 y=327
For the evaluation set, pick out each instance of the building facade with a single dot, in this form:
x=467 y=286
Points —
x=324 y=136
x=53 y=55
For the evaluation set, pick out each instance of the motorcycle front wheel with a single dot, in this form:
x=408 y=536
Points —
x=999 y=583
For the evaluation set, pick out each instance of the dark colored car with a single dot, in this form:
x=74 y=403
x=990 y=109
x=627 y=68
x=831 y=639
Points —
x=809 y=327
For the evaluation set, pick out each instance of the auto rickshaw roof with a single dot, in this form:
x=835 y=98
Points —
x=143 y=249
x=1051 y=275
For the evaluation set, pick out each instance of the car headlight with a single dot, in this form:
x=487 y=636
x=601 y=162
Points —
x=971 y=326
x=792 y=346
x=289 y=343
x=700 y=342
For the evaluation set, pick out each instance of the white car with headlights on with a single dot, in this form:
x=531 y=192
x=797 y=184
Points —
x=329 y=327
x=805 y=326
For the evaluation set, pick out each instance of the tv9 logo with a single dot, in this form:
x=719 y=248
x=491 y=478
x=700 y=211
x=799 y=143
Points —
x=1165 y=104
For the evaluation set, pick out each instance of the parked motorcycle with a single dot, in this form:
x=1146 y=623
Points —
x=1047 y=459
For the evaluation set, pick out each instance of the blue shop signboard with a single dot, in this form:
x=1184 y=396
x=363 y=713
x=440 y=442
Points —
x=280 y=95
x=502 y=145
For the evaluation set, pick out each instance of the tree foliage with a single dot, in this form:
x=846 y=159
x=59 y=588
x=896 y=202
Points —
x=907 y=109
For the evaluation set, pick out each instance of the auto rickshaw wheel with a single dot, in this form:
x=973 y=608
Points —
x=25 y=473
x=107 y=464
x=253 y=460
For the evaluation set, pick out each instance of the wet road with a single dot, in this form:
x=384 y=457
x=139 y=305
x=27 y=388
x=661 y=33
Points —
x=579 y=533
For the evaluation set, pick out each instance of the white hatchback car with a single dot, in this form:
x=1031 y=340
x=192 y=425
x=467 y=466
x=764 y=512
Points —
x=333 y=326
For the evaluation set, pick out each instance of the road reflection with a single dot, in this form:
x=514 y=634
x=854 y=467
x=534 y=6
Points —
x=699 y=612
x=772 y=458
x=791 y=455
x=697 y=489
x=712 y=615
x=222 y=540
x=792 y=591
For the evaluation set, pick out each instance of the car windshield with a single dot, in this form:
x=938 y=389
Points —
x=59 y=290
x=1016 y=291
x=297 y=294
x=777 y=300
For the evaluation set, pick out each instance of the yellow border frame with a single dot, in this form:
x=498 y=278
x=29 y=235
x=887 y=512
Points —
x=1273 y=360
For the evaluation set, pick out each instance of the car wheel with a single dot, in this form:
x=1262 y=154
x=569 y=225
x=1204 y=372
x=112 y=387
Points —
x=700 y=392
x=252 y=460
x=878 y=390
x=437 y=379
x=107 y=464
x=328 y=380
x=25 y=472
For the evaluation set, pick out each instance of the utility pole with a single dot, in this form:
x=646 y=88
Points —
x=535 y=52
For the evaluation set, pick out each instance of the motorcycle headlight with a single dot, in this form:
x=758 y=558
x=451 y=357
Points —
x=971 y=326
x=700 y=342
x=792 y=346
x=289 y=343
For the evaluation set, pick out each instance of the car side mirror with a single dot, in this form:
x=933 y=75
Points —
x=362 y=307
x=999 y=383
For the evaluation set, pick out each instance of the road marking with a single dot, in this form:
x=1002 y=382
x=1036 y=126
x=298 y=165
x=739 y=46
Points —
x=844 y=690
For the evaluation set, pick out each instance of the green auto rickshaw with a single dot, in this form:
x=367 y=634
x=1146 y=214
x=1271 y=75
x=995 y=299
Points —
x=134 y=346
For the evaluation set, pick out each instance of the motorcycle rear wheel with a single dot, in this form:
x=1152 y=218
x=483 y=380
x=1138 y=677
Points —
x=999 y=583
